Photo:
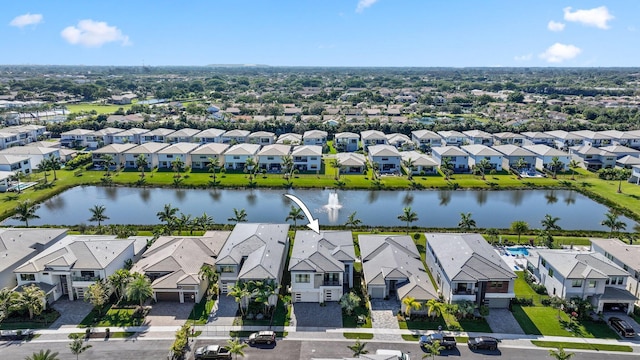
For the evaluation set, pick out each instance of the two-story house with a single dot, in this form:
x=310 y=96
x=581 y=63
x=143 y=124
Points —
x=386 y=157
x=593 y=138
x=181 y=150
x=593 y=158
x=235 y=136
x=508 y=138
x=321 y=265
x=36 y=154
x=346 y=142
x=15 y=163
x=314 y=137
x=351 y=163
x=114 y=151
x=478 y=152
x=582 y=274
x=545 y=155
x=261 y=138
x=185 y=135
x=307 y=157
x=173 y=265
x=392 y=268
x=270 y=157
x=372 y=137
x=516 y=158
x=75 y=262
x=624 y=138
x=625 y=256
x=400 y=141
x=149 y=150
x=426 y=139
x=253 y=251
x=72 y=138
x=209 y=136
x=421 y=163
x=452 y=138
x=467 y=268
x=458 y=158
x=537 y=138
x=237 y=155
x=478 y=137
x=131 y=136
x=158 y=135
x=621 y=151
x=564 y=140
x=200 y=157
x=102 y=137
x=289 y=139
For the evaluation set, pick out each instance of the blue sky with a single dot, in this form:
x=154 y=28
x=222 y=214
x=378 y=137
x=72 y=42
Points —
x=427 y=33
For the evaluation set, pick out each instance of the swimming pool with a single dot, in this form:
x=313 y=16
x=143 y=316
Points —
x=517 y=250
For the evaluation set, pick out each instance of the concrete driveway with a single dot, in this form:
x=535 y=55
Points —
x=168 y=313
x=502 y=321
x=306 y=315
x=71 y=312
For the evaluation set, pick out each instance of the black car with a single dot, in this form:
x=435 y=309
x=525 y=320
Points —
x=262 y=337
x=622 y=327
x=483 y=342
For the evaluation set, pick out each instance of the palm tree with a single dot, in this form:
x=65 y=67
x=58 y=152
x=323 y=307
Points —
x=118 y=282
x=97 y=214
x=8 y=299
x=168 y=215
x=466 y=222
x=410 y=303
x=358 y=348
x=141 y=164
x=573 y=165
x=238 y=216
x=611 y=221
x=447 y=167
x=520 y=164
x=408 y=216
x=433 y=349
x=44 y=167
x=621 y=174
x=549 y=223
x=204 y=222
x=183 y=221
x=482 y=166
x=519 y=227
x=409 y=164
x=240 y=292
x=434 y=308
x=295 y=214
x=139 y=290
x=214 y=164
x=18 y=176
x=26 y=211
x=31 y=298
x=107 y=161
x=287 y=165
x=77 y=347
x=208 y=273
x=97 y=294
x=236 y=347
x=352 y=221
x=335 y=163
x=555 y=165
x=249 y=167
x=560 y=354
x=177 y=165
x=43 y=355
x=54 y=164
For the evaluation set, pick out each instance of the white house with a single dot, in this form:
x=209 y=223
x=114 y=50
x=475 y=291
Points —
x=314 y=137
x=545 y=155
x=372 y=137
x=478 y=152
x=270 y=157
x=512 y=155
x=458 y=158
x=181 y=136
x=387 y=157
x=307 y=157
x=467 y=268
x=564 y=140
x=261 y=138
x=426 y=139
x=236 y=156
x=537 y=138
x=15 y=163
x=625 y=256
x=116 y=151
x=236 y=136
x=209 y=136
x=478 y=137
x=73 y=263
x=624 y=138
x=289 y=139
x=150 y=152
x=179 y=150
x=72 y=138
x=210 y=150
x=351 y=163
x=422 y=163
x=593 y=138
x=508 y=138
x=158 y=135
x=621 y=151
x=346 y=142
x=452 y=138
x=400 y=141
x=321 y=265
x=593 y=158
x=102 y=137
x=131 y=136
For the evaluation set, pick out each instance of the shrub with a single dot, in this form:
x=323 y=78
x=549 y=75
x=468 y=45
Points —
x=522 y=301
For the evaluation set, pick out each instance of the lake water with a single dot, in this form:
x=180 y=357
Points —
x=435 y=208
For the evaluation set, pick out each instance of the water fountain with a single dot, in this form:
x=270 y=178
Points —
x=333 y=205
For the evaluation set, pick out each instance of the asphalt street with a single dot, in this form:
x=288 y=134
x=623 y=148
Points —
x=284 y=349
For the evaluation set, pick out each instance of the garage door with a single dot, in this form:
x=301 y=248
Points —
x=168 y=296
x=377 y=292
x=498 y=303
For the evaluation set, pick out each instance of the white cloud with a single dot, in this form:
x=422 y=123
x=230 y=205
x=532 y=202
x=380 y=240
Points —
x=558 y=53
x=91 y=33
x=363 y=4
x=526 y=57
x=597 y=17
x=555 y=26
x=26 y=19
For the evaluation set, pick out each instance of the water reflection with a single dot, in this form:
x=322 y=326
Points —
x=551 y=197
x=111 y=192
x=251 y=197
x=516 y=197
x=145 y=194
x=481 y=197
x=445 y=197
x=215 y=195
x=373 y=196
x=55 y=203
x=408 y=198
x=180 y=195
x=570 y=199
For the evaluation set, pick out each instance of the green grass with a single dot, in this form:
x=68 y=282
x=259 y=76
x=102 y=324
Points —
x=452 y=323
x=112 y=318
x=99 y=108
x=201 y=311
x=410 y=337
x=112 y=335
x=42 y=321
x=582 y=346
x=543 y=320
x=422 y=324
x=361 y=336
x=523 y=290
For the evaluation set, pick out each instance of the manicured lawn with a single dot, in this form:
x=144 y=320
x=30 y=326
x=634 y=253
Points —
x=100 y=109
x=201 y=311
x=582 y=346
x=361 y=336
x=422 y=324
x=112 y=318
x=543 y=320
x=523 y=290
x=411 y=338
x=42 y=321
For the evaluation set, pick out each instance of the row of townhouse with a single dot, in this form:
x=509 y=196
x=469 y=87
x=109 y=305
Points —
x=21 y=135
x=25 y=159
x=200 y=156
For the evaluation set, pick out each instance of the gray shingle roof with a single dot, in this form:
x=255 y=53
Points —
x=322 y=252
x=580 y=265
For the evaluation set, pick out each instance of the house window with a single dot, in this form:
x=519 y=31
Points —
x=592 y=284
x=28 y=277
x=169 y=156
x=543 y=262
x=620 y=280
x=269 y=157
x=550 y=272
x=227 y=269
x=87 y=274
x=496 y=284
x=236 y=158
x=625 y=267
x=576 y=283
x=303 y=278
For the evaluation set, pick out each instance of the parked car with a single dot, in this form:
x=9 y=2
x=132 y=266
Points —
x=449 y=342
x=262 y=337
x=212 y=352
x=15 y=334
x=622 y=327
x=483 y=342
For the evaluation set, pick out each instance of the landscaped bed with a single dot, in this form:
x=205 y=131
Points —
x=582 y=346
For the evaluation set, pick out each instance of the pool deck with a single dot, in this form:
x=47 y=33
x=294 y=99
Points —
x=23 y=186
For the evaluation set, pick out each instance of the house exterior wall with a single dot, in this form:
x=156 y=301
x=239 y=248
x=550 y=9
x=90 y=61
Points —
x=350 y=144
x=495 y=161
x=200 y=161
x=236 y=162
x=164 y=160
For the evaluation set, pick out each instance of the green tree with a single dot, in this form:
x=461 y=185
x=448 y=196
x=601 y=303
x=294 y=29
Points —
x=8 y=299
x=183 y=221
x=139 y=289
x=434 y=308
x=43 y=167
x=204 y=222
x=613 y=223
x=408 y=216
x=31 y=299
x=141 y=164
x=482 y=167
x=620 y=175
x=352 y=221
x=560 y=354
x=43 y=355
x=409 y=165
x=287 y=166
x=177 y=165
x=358 y=348
x=208 y=272
x=446 y=166
x=118 y=282
x=240 y=294
x=466 y=222
x=519 y=227
x=238 y=216
x=520 y=164
x=98 y=214
x=54 y=164
x=78 y=346
x=433 y=349
x=335 y=163
x=212 y=166
x=250 y=167
x=410 y=303
x=97 y=294
x=168 y=215
x=349 y=302
x=555 y=166
x=25 y=211
x=573 y=165
x=107 y=162
x=295 y=214
x=236 y=347
x=549 y=223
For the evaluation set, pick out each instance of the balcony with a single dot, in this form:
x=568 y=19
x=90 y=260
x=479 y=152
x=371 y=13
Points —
x=331 y=283
x=85 y=278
